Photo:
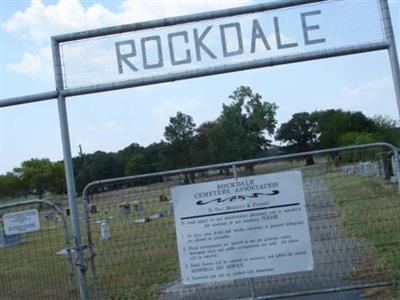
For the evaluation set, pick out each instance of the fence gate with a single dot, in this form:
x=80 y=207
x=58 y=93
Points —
x=35 y=254
x=350 y=232
x=142 y=249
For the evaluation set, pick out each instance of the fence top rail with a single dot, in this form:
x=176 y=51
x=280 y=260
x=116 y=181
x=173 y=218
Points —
x=229 y=12
x=88 y=187
x=28 y=202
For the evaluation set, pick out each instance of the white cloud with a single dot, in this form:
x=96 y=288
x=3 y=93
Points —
x=168 y=108
x=34 y=63
x=107 y=136
x=139 y=10
x=371 y=97
x=39 y=21
x=110 y=125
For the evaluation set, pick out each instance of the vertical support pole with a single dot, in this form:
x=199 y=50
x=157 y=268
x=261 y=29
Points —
x=394 y=60
x=69 y=172
x=252 y=285
x=234 y=171
x=397 y=167
x=85 y=196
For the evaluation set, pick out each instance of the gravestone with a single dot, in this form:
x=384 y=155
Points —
x=138 y=206
x=367 y=169
x=395 y=166
x=49 y=216
x=171 y=207
x=93 y=209
x=104 y=231
x=124 y=208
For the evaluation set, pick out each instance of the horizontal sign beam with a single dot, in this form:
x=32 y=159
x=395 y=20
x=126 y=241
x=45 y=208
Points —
x=28 y=99
x=194 y=74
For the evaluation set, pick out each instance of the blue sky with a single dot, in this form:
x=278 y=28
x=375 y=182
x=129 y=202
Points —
x=112 y=120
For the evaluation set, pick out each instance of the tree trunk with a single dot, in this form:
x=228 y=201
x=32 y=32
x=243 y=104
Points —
x=309 y=160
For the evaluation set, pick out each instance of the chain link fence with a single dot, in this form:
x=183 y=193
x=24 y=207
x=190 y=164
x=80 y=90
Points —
x=353 y=209
x=36 y=264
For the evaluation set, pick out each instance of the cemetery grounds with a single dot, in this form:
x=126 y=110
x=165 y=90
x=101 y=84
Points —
x=140 y=260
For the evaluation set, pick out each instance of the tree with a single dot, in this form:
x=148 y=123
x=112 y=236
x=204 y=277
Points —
x=137 y=165
x=179 y=134
x=155 y=156
x=124 y=155
x=99 y=165
x=200 y=144
x=241 y=129
x=57 y=178
x=386 y=130
x=300 y=133
x=10 y=186
x=35 y=175
x=333 y=123
x=180 y=128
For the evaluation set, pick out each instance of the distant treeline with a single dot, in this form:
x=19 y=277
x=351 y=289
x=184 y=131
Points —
x=243 y=130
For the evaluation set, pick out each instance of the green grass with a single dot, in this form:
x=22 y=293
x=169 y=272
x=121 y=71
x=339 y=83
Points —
x=32 y=270
x=370 y=211
x=131 y=265
x=139 y=260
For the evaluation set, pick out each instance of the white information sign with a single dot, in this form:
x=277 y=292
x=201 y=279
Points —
x=21 y=222
x=241 y=228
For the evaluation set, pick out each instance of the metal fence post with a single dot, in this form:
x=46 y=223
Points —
x=252 y=285
x=394 y=60
x=69 y=172
x=397 y=169
x=85 y=197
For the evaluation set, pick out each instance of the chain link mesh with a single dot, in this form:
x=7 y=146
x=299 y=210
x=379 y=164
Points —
x=353 y=215
x=94 y=61
x=37 y=265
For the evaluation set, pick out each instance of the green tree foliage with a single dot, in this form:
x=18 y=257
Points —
x=200 y=144
x=96 y=166
x=333 y=123
x=154 y=154
x=137 y=165
x=334 y=128
x=300 y=133
x=240 y=131
x=39 y=175
x=11 y=186
x=35 y=175
x=180 y=128
x=386 y=130
x=57 y=179
x=124 y=155
x=357 y=138
x=179 y=134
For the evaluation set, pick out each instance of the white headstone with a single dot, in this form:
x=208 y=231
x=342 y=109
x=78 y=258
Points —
x=105 y=231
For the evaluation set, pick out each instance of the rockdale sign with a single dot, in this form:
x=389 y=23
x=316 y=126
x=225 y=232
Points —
x=148 y=52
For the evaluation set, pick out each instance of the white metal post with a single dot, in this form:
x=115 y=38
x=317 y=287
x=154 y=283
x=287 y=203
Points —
x=394 y=60
x=69 y=173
